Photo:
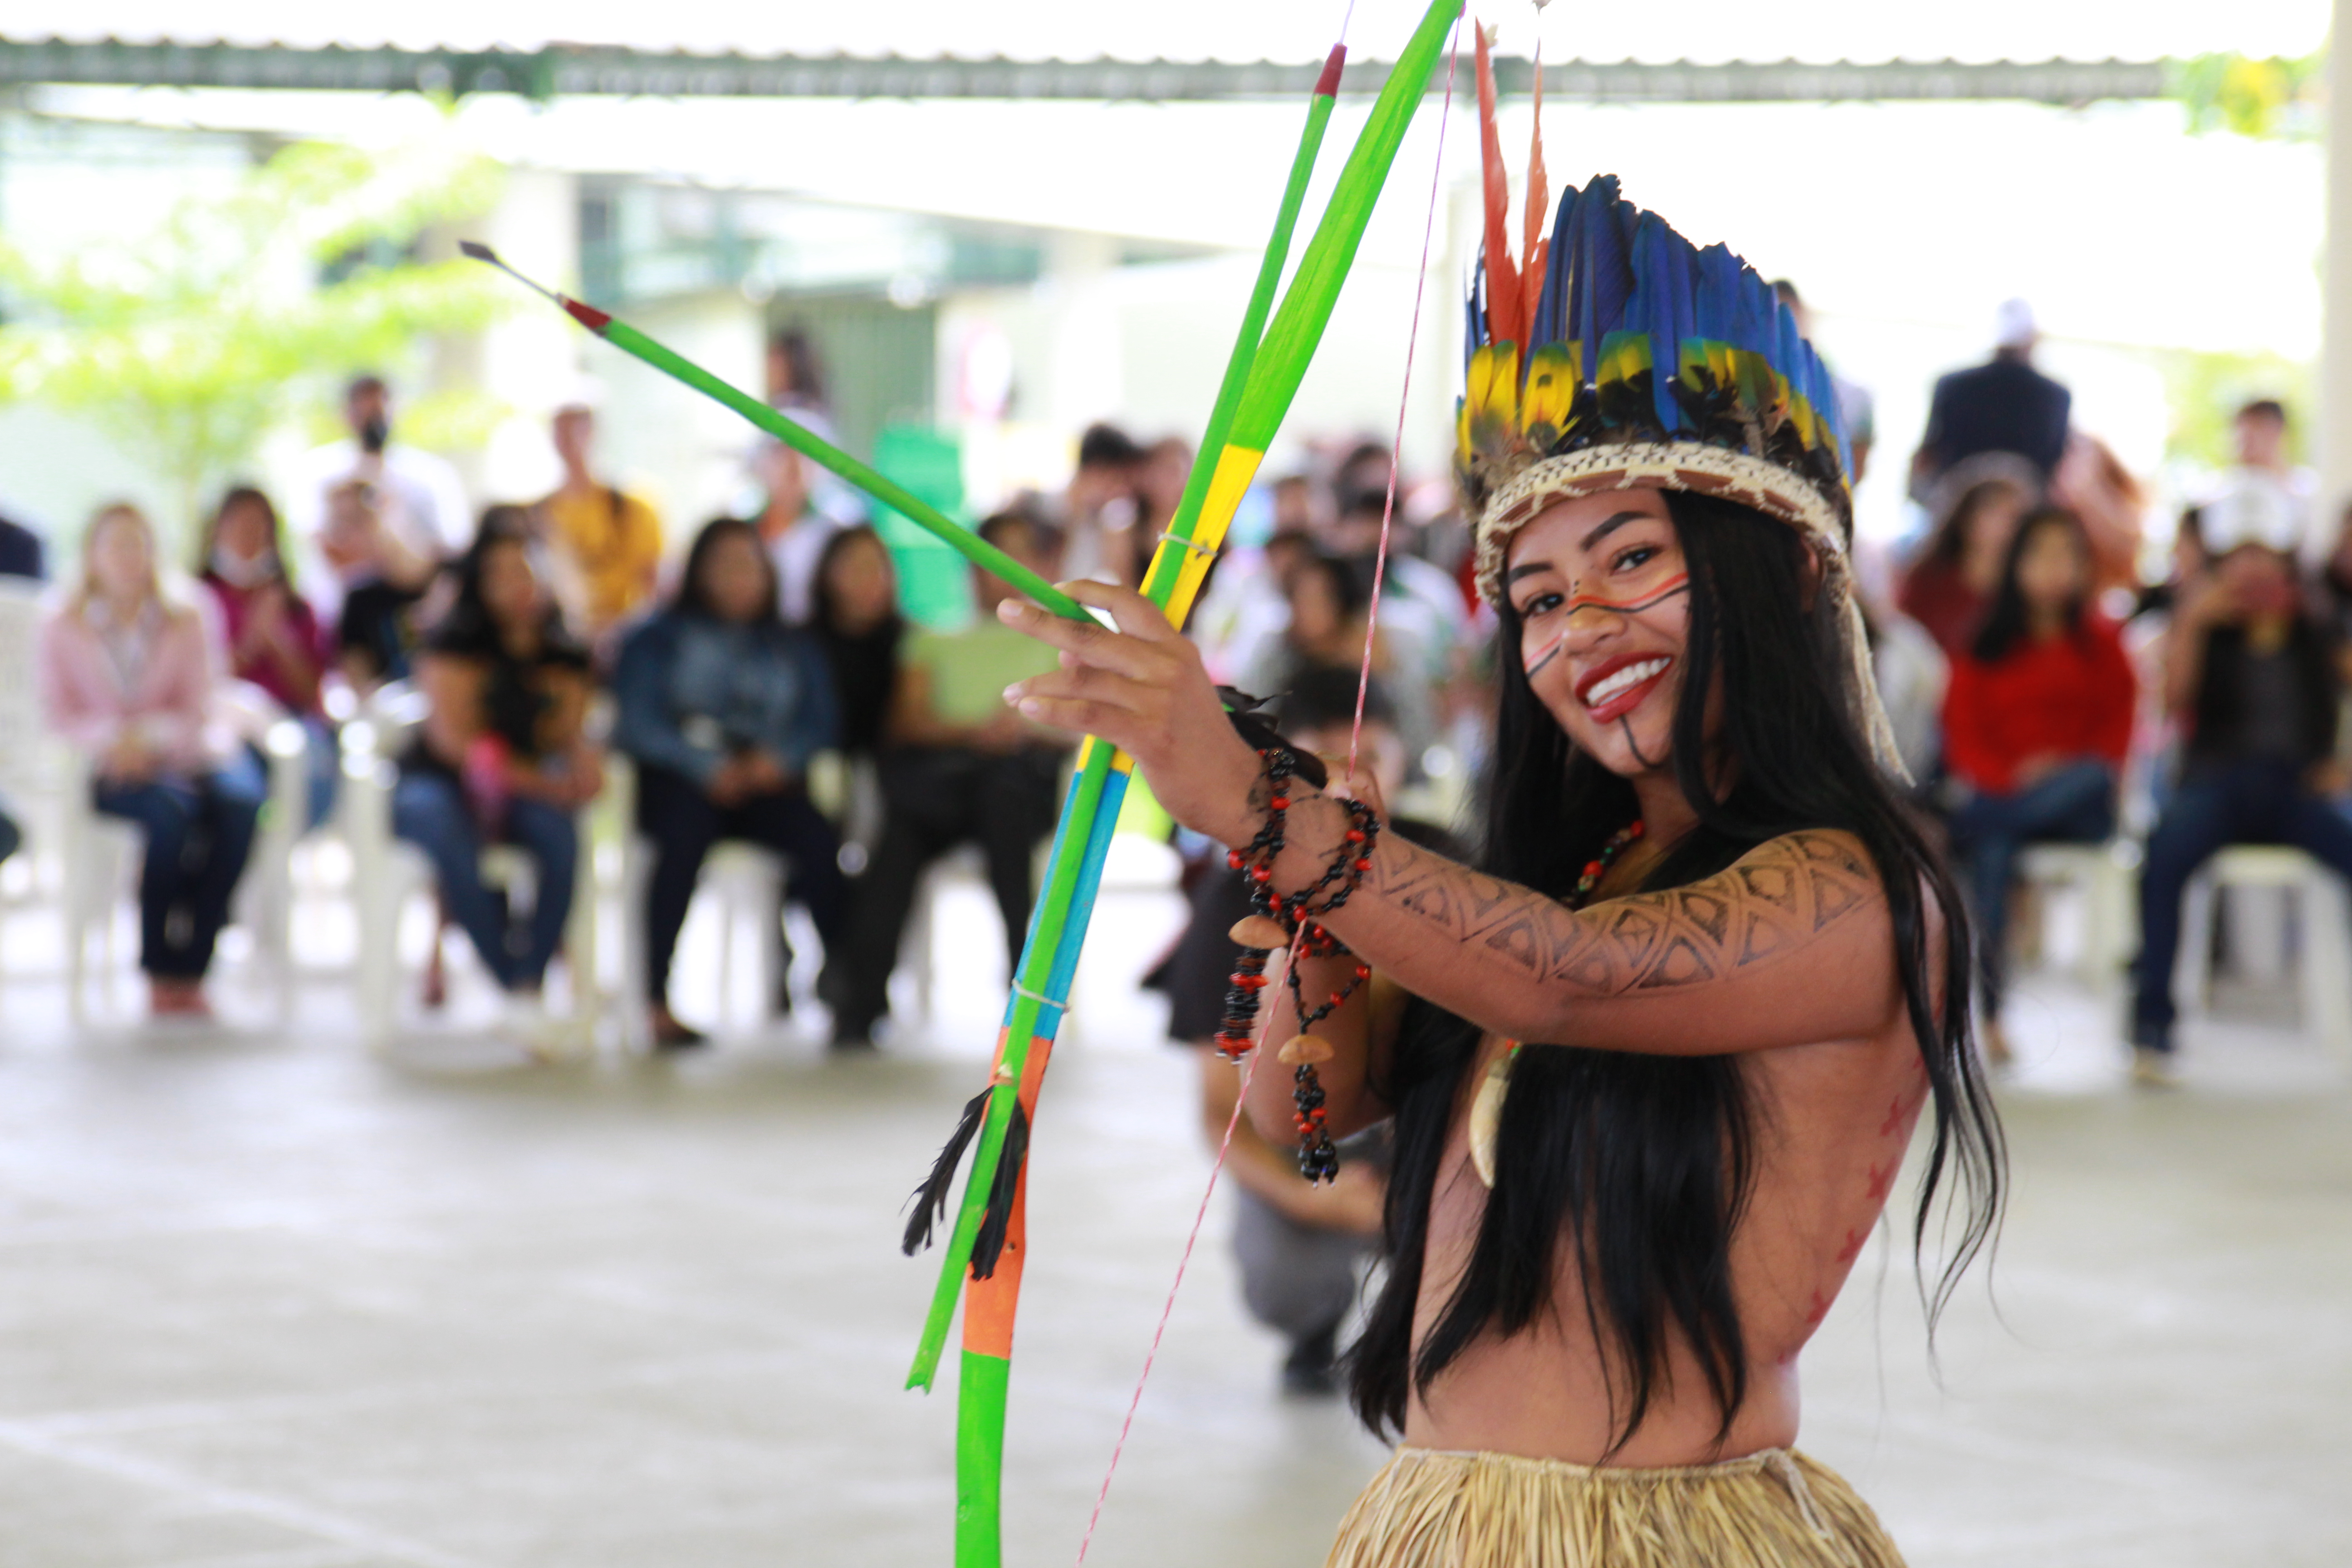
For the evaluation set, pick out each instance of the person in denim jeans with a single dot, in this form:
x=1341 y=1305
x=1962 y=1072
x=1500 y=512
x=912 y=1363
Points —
x=128 y=677
x=2252 y=666
x=722 y=706
x=500 y=756
x=2037 y=720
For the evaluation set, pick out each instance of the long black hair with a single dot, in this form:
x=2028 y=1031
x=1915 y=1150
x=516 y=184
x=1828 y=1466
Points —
x=1645 y=1163
x=2008 y=616
x=693 y=599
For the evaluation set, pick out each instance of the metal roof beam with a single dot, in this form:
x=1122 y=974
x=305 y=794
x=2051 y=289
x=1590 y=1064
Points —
x=573 y=70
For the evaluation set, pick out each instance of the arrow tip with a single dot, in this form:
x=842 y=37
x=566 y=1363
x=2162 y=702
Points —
x=480 y=252
x=1328 y=84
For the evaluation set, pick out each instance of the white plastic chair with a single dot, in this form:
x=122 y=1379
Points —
x=387 y=873
x=32 y=778
x=747 y=881
x=265 y=901
x=2325 y=964
x=2105 y=874
x=100 y=856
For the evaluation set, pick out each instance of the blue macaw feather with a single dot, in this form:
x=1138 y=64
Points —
x=1552 y=304
x=1623 y=296
x=1661 y=258
x=1607 y=280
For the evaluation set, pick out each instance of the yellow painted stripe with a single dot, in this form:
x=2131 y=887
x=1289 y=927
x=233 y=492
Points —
x=1236 y=466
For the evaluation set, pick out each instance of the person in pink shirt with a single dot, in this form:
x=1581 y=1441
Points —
x=127 y=678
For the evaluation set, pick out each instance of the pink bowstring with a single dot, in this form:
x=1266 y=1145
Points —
x=1404 y=405
x=1191 y=1239
x=1363 y=684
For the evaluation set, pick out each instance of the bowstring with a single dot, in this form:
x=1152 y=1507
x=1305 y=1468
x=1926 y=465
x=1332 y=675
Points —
x=1363 y=683
x=1404 y=405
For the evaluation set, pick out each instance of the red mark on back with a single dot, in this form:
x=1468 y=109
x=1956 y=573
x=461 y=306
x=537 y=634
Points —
x=588 y=316
x=1882 y=1181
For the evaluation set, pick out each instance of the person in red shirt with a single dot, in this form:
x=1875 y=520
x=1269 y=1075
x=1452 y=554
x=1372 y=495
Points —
x=2037 y=718
x=1952 y=584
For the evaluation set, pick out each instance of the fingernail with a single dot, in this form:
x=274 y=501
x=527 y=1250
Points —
x=1032 y=707
x=1012 y=693
x=1010 y=609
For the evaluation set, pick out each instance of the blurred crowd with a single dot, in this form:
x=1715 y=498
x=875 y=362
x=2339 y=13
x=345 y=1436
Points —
x=760 y=682
x=757 y=681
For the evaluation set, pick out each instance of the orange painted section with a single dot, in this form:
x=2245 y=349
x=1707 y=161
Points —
x=989 y=1304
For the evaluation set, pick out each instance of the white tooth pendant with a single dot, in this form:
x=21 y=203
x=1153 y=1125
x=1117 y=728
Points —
x=1486 y=1115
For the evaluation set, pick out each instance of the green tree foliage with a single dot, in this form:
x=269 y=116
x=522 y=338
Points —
x=2206 y=390
x=188 y=346
x=2261 y=97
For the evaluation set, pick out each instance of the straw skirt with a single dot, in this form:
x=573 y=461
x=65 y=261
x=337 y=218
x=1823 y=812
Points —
x=1772 y=1509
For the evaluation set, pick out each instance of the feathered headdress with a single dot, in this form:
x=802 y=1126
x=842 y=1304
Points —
x=1618 y=355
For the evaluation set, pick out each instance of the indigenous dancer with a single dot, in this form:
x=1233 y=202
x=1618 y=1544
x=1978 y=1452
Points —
x=1652 y=1066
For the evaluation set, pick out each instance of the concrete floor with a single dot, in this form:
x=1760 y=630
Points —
x=267 y=1301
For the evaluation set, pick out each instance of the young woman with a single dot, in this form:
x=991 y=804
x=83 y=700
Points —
x=1653 y=1065
x=722 y=706
x=2037 y=722
x=858 y=625
x=128 y=677
x=1948 y=587
x=275 y=641
x=502 y=756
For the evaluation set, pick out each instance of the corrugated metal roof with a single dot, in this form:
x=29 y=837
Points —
x=567 y=70
x=1290 y=31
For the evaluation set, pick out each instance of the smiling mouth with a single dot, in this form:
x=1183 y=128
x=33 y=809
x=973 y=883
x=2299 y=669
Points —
x=1618 y=691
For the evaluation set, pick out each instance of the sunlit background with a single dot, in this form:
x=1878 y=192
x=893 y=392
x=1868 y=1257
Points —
x=1034 y=266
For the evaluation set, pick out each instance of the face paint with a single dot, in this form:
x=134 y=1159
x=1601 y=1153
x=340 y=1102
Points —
x=1625 y=728
x=1537 y=659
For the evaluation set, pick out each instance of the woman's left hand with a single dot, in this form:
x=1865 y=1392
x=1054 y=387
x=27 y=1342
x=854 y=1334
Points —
x=1142 y=687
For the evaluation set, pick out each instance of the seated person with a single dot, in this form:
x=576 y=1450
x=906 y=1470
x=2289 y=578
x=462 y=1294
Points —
x=1330 y=617
x=275 y=642
x=607 y=543
x=2249 y=664
x=722 y=705
x=961 y=768
x=1952 y=580
x=128 y=679
x=857 y=620
x=374 y=628
x=2037 y=722
x=1300 y=1245
x=500 y=757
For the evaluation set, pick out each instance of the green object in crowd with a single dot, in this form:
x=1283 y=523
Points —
x=934 y=583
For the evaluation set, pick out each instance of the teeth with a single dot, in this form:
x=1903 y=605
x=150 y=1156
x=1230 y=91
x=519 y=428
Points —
x=1633 y=674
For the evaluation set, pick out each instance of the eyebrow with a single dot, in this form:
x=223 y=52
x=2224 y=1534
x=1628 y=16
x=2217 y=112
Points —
x=1611 y=526
x=1530 y=568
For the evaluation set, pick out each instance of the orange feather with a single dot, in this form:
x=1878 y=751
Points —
x=1506 y=315
x=1539 y=249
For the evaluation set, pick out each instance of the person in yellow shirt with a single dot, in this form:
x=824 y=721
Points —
x=607 y=543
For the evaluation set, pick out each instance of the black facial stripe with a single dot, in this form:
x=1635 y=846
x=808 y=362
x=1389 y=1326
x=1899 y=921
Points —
x=1624 y=723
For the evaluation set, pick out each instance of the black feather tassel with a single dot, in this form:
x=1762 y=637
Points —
x=997 y=1218
x=932 y=1197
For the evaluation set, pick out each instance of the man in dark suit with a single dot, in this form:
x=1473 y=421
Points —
x=20 y=550
x=2002 y=406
